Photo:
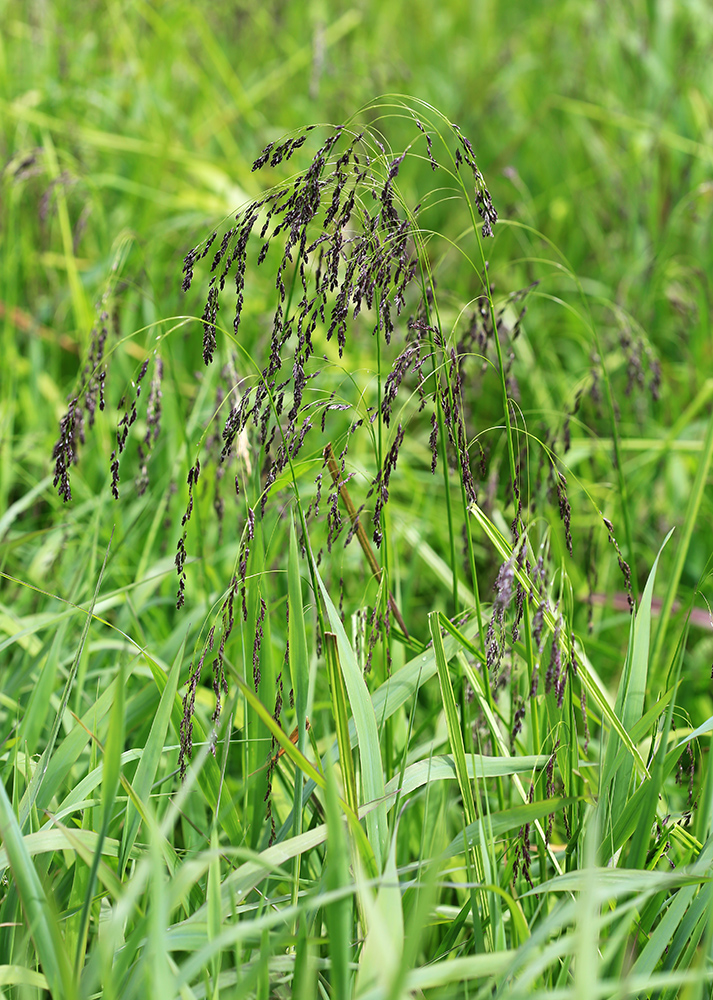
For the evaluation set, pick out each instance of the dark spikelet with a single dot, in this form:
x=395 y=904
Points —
x=564 y=506
x=153 y=427
x=263 y=157
x=493 y=652
x=65 y=450
x=242 y=571
x=394 y=379
x=518 y=719
x=257 y=645
x=268 y=797
x=382 y=481
x=550 y=789
x=504 y=588
x=180 y=564
x=495 y=637
x=519 y=609
x=193 y=474
x=623 y=564
x=374 y=626
x=433 y=442
x=523 y=857
x=429 y=145
x=483 y=201
x=189 y=705
x=94 y=374
x=188 y=262
x=208 y=319
x=552 y=677
x=538 y=623
x=220 y=684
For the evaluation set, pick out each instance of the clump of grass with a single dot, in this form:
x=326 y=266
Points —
x=556 y=787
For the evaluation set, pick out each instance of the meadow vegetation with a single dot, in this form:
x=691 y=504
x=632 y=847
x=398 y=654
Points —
x=355 y=512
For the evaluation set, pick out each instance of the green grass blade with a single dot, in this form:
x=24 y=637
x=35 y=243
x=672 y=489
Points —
x=338 y=914
x=455 y=738
x=215 y=916
x=33 y=790
x=383 y=947
x=299 y=671
x=641 y=839
x=110 y=783
x=663 y=934
x=341 y=719
x=630 y=699
x=208 y=776
x=151 y=757
x=443 y=768
x=372 y=774
x=695 y=499
x=41 y=921
x=499 y=823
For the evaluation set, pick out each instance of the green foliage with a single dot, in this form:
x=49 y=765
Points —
x=497 y=781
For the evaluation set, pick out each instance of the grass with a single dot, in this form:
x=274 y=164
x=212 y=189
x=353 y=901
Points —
x=441 y=760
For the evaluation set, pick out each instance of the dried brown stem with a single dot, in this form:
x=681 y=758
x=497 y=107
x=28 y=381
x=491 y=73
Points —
x=366 y=548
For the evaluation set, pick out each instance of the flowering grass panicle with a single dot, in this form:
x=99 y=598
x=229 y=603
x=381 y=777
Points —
x=346 y=257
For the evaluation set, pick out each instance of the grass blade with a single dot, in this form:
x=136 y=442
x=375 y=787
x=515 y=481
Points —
x=341 y=719
x=151 y=757
x=372 y=773
x=41 y=921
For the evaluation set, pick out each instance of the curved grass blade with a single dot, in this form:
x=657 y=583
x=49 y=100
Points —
x=366 y=730
x=299 y=671
x=151 y=757
x=443 y=768
x=338 y=913
x=339 y=707
x=694 y=503
x=33 y=789
x=41 y=921
x=497 y=823
x=630 y=699
x=455 y=738
x=110 y=784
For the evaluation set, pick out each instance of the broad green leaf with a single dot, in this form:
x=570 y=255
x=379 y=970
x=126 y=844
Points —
x=499 y=823
x=442 y=768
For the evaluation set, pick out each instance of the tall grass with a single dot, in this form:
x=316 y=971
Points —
x=407 y=738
